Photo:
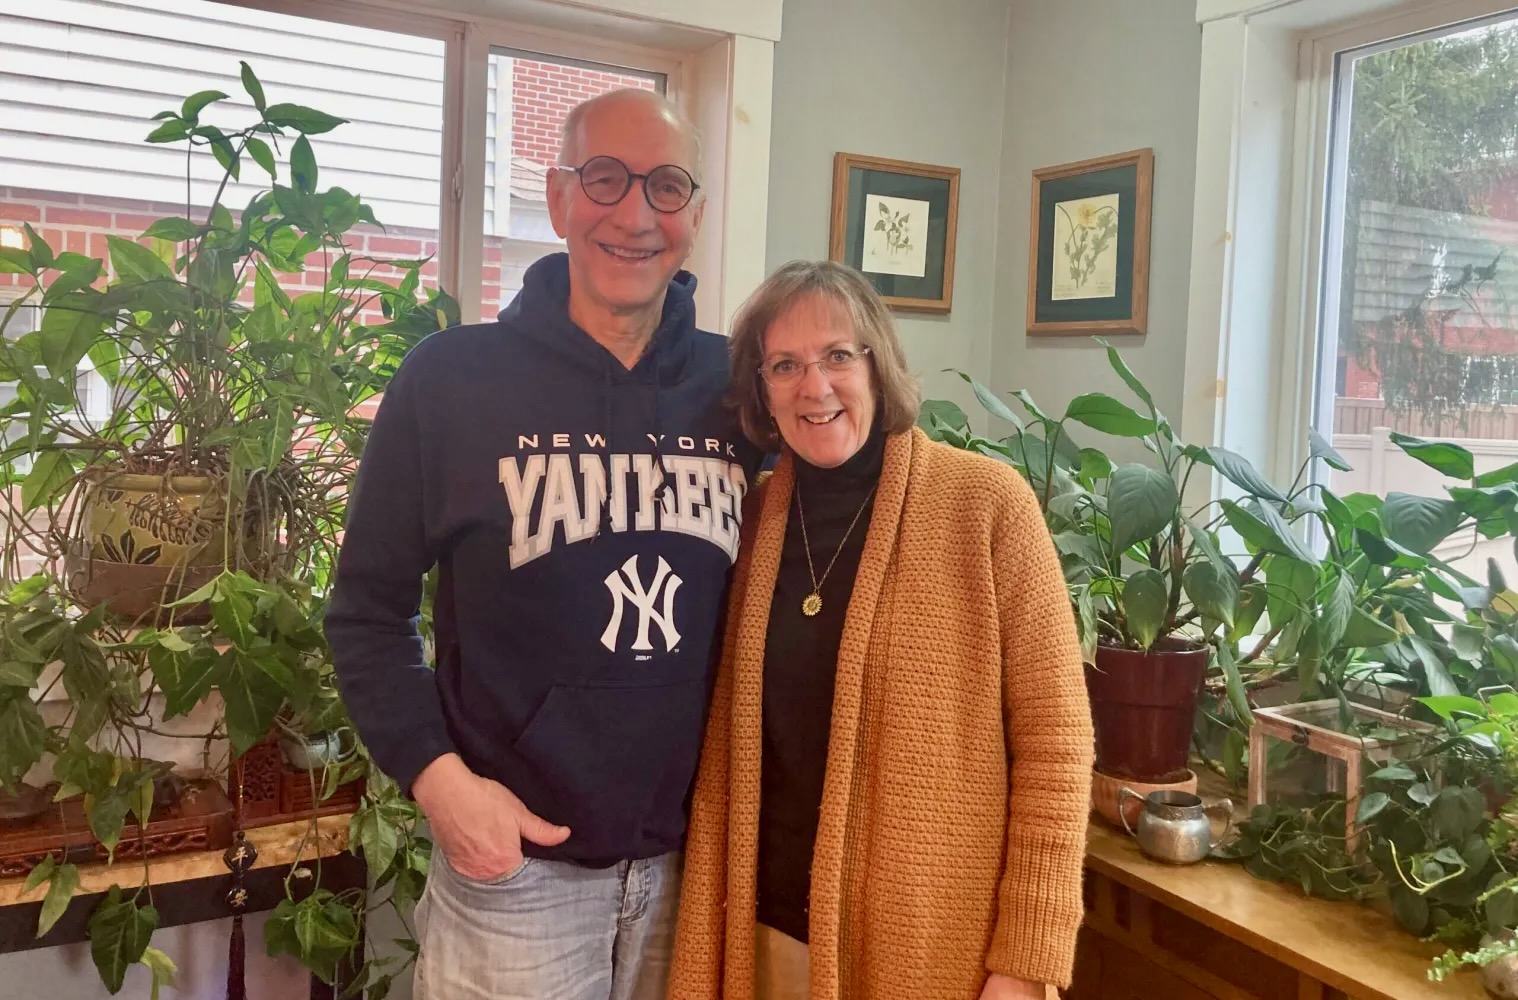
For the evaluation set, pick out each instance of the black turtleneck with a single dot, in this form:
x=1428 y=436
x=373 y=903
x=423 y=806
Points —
x=800 y=664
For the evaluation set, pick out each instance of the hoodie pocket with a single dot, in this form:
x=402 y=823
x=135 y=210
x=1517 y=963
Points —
x=612 y=756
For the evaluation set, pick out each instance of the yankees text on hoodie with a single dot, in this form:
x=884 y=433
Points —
x=583 y=517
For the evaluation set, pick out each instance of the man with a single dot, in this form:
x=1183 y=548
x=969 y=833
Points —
x=571 y=472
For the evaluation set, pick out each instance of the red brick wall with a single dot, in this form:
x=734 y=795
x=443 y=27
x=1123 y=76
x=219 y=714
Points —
x=542 y=94
x=81 y=223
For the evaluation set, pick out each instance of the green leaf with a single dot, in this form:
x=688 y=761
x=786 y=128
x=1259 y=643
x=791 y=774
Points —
x=252 y=700
x=1094 y=466
x=1253 y=598
x=252 y=86
x=1504 y=476
x=303 y=165
x=51 y=472
x=107 y=814
x=1410 y=909
x=1371 y=806
x=1442 y=456
x=226 y=155
x=19 y=674
x=1439 y=680
x=1103 y=413
x=1238 y=696
x=161 y=967
x=1265 y=529
x=234 y=617
x=1026 y=399
x=1457 y=812
x=1238 y=470
x=119 y=934
x=173 y=229
x=14 y=260
x=1292 y=585
x=1366 y=632
x=1449 y=856
x=263 y=156
x=1422 y=793
x=135 y=262
x=1418 y=523
x=22 y=736
x=40 y=873
x=1395 y=772
x=371 y=829
x=1337 y=609
x=196 y=103
x=67 y=333
x=59 y=892
x=1141 y=502
x=1145 y=601
x=303 y=120
x=172 y=130
x=942 y=409
x=1321 y=449
x=1468 y=641
x=1213 y=589
x=1126 y=374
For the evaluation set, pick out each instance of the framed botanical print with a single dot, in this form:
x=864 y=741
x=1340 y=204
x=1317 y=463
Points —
x=1088 y=249
x=895 y=222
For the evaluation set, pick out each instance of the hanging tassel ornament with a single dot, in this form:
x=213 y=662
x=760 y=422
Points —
x=239 y=858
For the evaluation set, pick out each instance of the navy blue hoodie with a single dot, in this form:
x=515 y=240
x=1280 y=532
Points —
x=584 y=518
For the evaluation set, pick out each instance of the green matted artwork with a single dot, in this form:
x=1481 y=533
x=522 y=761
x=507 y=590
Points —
x=895 y=222
x=1088 y=249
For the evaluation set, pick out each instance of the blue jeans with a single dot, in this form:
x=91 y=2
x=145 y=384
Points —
x=548 y=931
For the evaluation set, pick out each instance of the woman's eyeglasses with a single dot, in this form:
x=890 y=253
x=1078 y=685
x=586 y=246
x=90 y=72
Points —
x=789 y=371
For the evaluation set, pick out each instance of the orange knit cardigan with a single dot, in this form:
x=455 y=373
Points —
x=952 y=830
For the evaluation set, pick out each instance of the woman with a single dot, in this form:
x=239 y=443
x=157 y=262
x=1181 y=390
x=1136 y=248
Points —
x=893 y=790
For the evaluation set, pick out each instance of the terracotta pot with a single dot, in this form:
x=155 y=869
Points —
x=1105 y=801
x=1143 y=706
x=138 y=593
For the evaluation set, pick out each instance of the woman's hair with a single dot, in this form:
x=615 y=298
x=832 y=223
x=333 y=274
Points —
x=898 y=397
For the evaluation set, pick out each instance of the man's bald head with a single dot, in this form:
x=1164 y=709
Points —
x=583 y=117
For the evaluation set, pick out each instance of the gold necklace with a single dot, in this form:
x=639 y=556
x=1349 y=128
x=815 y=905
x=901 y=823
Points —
x=812 y=603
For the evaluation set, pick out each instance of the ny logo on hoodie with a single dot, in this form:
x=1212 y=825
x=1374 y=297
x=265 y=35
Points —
x=625 y=585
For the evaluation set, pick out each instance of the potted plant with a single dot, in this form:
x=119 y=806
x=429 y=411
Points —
x=1159 y=603
x=187 y=538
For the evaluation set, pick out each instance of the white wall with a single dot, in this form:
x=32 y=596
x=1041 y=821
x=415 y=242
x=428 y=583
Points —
x=909 y=81
x=1086 y=78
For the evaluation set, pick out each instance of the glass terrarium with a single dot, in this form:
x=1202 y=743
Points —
x=1301 y=754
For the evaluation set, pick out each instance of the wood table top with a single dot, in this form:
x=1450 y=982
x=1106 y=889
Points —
x=1348 y=945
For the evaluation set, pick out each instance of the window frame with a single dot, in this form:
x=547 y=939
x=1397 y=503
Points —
x=1309 y=349
x=1260 y=231
x=726 y=87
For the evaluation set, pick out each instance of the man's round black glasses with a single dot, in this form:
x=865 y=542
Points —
x=606 y=181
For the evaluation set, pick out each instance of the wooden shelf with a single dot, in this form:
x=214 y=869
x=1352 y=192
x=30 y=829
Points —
x=283 y=844
x=1327 y=946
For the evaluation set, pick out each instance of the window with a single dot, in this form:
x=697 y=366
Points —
x=528 y=97
x=84 y=78
x=1418 y=324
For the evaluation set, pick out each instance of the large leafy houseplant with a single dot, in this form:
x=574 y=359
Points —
x=1335 y=594
x=220 y=467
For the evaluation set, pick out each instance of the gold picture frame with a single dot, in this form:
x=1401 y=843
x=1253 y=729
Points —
x=1088 y=246
x=896 y=222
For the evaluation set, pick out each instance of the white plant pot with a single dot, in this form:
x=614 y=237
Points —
x=312 y=753
x=1500 y=977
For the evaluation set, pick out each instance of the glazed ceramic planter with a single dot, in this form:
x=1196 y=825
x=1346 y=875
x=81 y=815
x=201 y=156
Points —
x=1143 y=706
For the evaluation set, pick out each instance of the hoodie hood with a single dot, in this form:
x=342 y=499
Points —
x=540 y=312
